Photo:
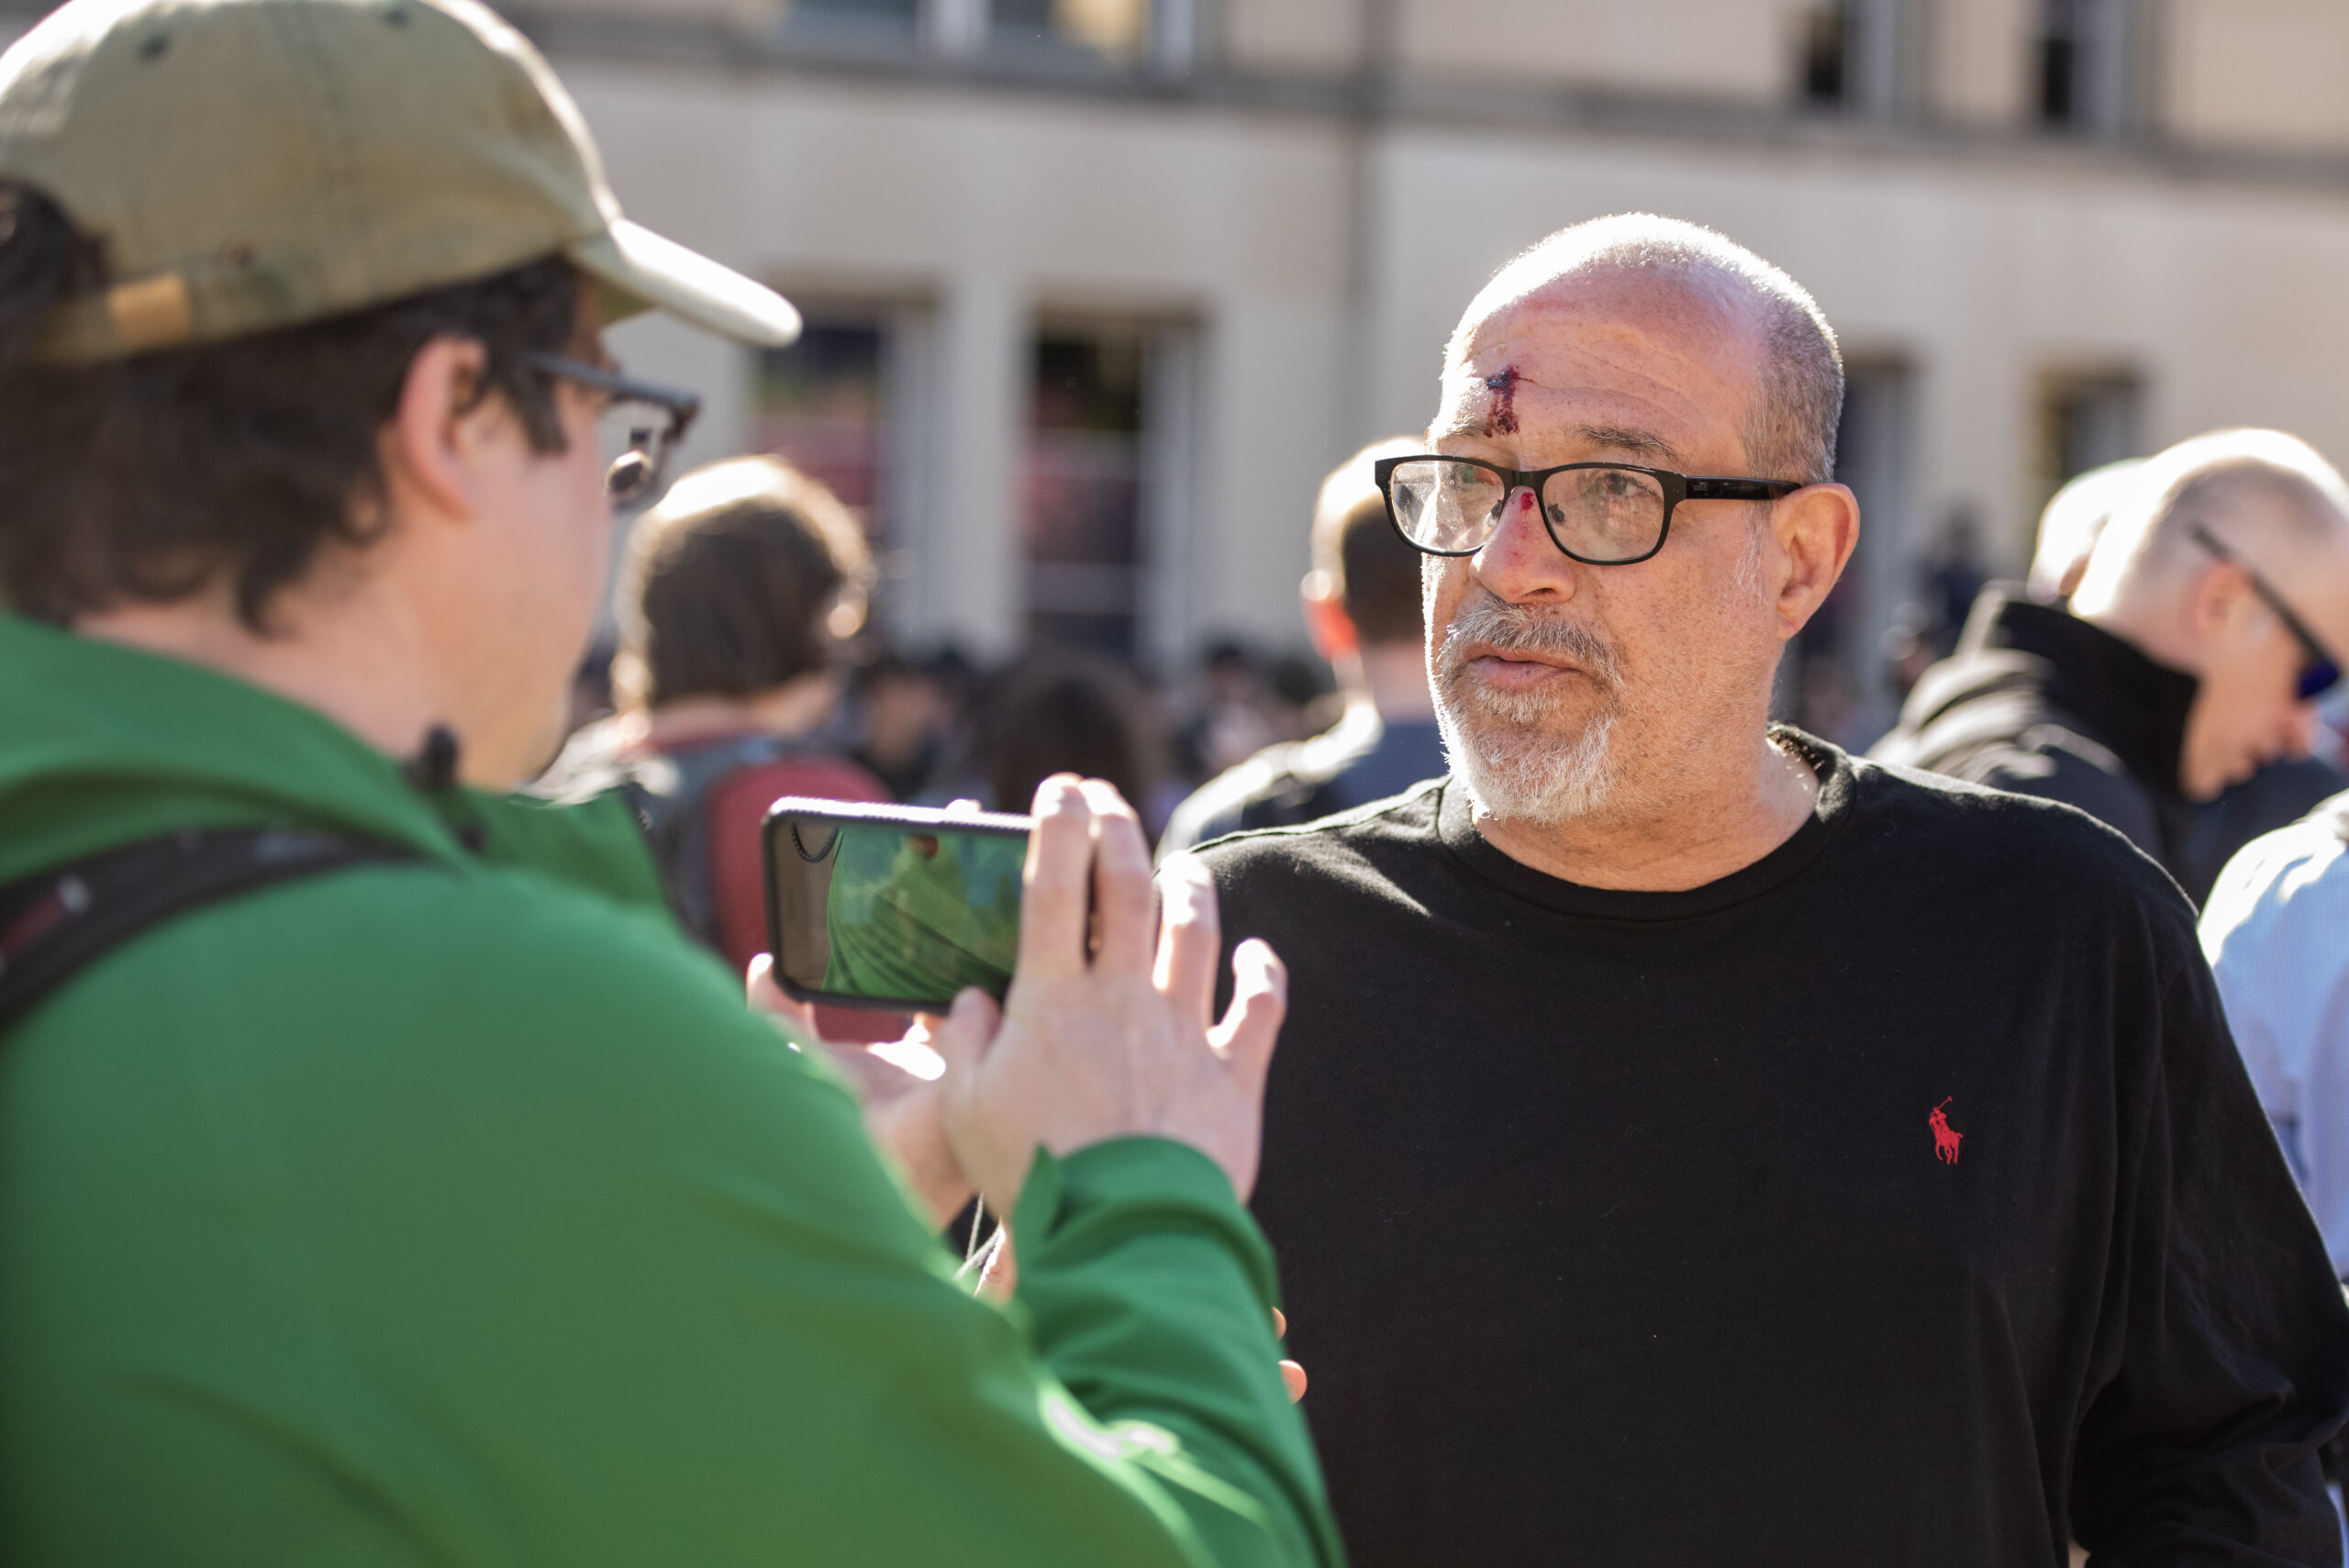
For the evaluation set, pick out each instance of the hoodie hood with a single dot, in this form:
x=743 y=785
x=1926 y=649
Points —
x=102 y=744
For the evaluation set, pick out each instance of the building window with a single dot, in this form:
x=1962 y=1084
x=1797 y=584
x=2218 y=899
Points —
x=1117 y=31
x=2060 y=52
x=886 y=24
x=819 y=406
x=1826 y=54
x=1854 y=55
x=2088 y=420
x=2086 y=59
x=1083 y=487
x=835 y=404
x=1837 y=680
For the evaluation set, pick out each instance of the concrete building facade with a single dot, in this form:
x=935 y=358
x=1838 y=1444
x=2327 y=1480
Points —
x=1102 y=287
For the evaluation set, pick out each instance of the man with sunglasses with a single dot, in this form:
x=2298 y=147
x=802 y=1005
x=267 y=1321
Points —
x=385 y=1177
x=1830 y=1164
x=2190 y=657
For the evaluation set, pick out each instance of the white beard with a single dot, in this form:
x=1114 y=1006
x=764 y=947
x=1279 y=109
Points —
x=1516 y=772
x=1495 y=740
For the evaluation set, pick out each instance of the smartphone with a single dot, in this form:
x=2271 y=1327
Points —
x=895 y=908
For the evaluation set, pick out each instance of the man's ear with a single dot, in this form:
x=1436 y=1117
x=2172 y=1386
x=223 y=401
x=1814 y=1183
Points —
x=1325 y=621
x=2214 y=600
x=1818 y=527
x=433 y=446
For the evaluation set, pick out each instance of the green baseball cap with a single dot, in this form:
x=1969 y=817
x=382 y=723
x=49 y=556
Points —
x=250 y=164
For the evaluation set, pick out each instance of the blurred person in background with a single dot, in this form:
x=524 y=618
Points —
x=1303 y=696
x=2194 y=648
x=738 y=592
x=1908 y=647
x=591 y=688
x=2281 y=791
x=1954 y=577
x=2277 y=933
x=905 y=714
x=386 y=1178
x=1058 y=711
x=2069 y=526
x=1839 y=1164
x=1361 y=609
x=1231 y=721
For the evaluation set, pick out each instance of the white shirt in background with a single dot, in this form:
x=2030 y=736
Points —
x=2277 y=933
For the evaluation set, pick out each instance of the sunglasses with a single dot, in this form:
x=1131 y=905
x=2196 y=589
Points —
x=2320 y=671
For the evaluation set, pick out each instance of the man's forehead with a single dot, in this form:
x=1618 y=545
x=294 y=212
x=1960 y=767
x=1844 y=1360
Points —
x=1601 y=355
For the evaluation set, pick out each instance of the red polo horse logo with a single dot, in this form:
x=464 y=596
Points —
x=1945 y=1137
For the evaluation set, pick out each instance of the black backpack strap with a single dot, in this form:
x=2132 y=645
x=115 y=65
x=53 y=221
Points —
x=669 y=795
x=55 y=921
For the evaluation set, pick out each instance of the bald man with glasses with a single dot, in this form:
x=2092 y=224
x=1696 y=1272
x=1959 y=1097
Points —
x=1693 y=1144
x=2190 y=657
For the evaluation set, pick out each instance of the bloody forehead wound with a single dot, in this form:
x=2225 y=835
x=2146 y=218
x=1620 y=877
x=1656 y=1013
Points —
x=1501 y=410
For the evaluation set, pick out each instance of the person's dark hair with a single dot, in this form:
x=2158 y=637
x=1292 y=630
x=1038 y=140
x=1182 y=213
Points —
x=746 y=576
x=151 y=477
x=1378 y=581
x=1227 y=653
x=1063 y=712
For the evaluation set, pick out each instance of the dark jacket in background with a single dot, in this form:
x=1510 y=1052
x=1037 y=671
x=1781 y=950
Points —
x=2038 y=701
x=1358 y=760
x=2277 y=796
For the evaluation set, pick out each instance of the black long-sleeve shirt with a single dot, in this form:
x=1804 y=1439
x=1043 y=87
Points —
x=1896 y=1199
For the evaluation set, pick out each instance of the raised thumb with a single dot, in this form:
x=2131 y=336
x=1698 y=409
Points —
x=962 y=1036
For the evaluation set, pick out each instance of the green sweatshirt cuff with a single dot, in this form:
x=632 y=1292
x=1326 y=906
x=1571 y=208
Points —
x=1077 y=1206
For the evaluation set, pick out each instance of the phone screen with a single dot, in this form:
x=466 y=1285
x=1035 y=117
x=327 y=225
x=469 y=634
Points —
x=897 y=913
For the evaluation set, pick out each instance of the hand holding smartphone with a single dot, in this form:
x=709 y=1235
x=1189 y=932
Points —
x=895 y=908
x=1109 y=1029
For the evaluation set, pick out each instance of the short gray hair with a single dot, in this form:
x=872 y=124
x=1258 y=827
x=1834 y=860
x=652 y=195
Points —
x=2200 y=481
x=1790 y=430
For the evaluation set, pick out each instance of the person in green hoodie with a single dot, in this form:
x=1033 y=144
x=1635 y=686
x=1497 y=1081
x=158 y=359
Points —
x=450 y=1207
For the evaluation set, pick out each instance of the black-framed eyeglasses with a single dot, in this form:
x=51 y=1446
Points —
x=2320 y=671
x=1601 y=513
x=638 y=427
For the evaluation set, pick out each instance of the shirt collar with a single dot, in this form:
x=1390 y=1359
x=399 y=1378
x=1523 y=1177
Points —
x=2126 y=701
x=1456 y=826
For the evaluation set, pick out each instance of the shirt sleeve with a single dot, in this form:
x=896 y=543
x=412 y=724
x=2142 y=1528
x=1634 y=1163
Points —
x=2276 y=932
x=690 y=1316
x=2239 y=938
x=2222 y=1359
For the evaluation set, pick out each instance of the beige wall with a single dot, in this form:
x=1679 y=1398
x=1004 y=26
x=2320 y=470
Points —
x=996 y=207
x=1742 y=49
x=1978 y=58
x=2263 y=74
x=1315 y=36
x=2268 y=73
x=1320 y=321
x=755 y=13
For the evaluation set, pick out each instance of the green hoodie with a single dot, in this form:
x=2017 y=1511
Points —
x=457 y=1212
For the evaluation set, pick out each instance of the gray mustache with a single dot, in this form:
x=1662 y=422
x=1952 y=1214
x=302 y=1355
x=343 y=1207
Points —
x=1495 y=623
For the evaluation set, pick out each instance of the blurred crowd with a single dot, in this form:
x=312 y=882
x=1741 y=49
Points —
x=744 y=549
x=747 y=636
